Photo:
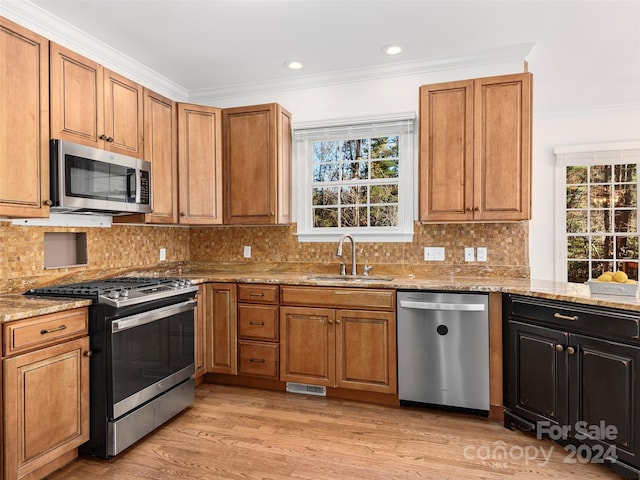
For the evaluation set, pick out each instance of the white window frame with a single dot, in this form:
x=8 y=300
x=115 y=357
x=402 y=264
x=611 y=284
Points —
x=584 y=155
x=304 y=135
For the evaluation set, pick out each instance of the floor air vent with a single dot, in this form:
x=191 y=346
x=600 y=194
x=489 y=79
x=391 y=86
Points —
x=307 y=389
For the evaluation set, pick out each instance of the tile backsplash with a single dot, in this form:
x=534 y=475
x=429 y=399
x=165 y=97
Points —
x=121 y=248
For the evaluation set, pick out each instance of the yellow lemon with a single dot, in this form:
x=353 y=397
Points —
x=605 y=277
x=630 y=281
x=620 y=277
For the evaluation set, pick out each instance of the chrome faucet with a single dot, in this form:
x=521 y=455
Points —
x=353 y=252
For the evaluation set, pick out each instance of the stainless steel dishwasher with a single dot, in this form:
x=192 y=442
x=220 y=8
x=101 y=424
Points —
x=443 y=349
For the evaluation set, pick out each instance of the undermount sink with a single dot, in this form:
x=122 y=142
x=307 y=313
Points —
x=349 y=278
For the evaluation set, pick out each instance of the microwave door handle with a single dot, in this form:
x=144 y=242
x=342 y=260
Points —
x=132 y=181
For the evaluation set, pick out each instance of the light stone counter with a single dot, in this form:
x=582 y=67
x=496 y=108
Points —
x=15 y=306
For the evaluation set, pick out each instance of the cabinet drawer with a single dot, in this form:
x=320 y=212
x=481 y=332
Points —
x=338 y=297
x=573 y=317
x=257 y=293
x=258 y=322
x=259 y=359
x=23 y=335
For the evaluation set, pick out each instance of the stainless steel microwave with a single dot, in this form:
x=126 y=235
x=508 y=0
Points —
x=89 y=180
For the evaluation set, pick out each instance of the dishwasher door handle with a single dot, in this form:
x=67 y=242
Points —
x=461 y=307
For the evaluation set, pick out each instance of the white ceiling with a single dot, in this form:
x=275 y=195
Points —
x=586 y=54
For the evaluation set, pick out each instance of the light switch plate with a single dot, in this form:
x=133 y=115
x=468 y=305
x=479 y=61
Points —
x=434 y=254
x=469 y=255
x=246 y=252
x=163 y=254
x=482 y=254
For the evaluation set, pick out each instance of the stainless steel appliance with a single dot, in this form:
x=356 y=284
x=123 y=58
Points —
x=89 y=180
x=443 y=349
x=141 y=333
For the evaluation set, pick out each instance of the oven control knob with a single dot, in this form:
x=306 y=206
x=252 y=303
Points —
x=114 y=294
x=175 y=283
x=124 y=293
x=182 y=283
x=187 y=283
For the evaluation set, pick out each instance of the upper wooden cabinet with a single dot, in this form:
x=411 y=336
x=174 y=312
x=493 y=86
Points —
x=475 y=150
x=199 y=164
x=94 y=106
x=161 y=149
x=257 y=165
x=24 y=122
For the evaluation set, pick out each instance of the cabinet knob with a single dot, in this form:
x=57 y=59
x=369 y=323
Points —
x=110 y=139
x=182 y=214
x=48 y=203
x=88 y=353
x=477 y=209
x=571 y=350
x=469 y=209
x=559 y=348
x=102 y=137
x=330 y=322
x=337 y=322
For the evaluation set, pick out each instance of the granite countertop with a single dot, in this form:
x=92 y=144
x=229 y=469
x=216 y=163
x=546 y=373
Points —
x=16 y=306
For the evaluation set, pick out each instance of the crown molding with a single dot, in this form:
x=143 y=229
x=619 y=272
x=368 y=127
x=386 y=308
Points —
x=57 y=30
x=509 y=53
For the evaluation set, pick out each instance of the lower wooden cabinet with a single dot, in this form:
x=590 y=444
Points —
x=200 y=336
x=221 y=328
x=46 y=415
x=346 y=348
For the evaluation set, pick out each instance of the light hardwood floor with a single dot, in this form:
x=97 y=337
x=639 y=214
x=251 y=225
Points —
x=242 y=433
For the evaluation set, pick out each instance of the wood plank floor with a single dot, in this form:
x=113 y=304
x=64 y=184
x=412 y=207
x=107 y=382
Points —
x=242 y=433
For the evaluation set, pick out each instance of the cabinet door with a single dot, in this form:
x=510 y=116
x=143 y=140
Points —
x=537 y=373
x=222 y=336
x=199 y=334
x=199 y=164
x=257 y=165
x=46 y=406
x=446 y=151
x=307 y=345
x=366 y=350
x=77 y=96
x=24 y=122
x=502 y=147
x=604 y=392
x=161 y=149
x=123 y=124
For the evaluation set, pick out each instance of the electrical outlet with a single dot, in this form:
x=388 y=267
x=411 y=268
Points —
x=163 y=254
x=246 y=253
x=434 y=254
x=482 y=254
x=469 y=254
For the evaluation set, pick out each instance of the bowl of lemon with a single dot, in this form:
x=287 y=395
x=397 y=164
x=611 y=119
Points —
x=614 y=283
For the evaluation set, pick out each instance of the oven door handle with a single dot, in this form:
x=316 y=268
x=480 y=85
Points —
x=151 y=316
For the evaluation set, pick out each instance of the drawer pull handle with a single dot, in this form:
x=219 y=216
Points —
x=254 y=294
x=565 y=317
x=257 y=360
x=45 y=331
x=253 y=322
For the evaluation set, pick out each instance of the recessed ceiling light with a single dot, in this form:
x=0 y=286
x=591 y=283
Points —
x=392 y=49
x=293 y=64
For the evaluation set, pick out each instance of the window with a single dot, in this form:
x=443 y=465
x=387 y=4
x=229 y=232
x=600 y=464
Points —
x=357 y=178
x=599 y=214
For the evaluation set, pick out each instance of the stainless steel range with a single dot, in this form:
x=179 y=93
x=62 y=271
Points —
x=142 y=365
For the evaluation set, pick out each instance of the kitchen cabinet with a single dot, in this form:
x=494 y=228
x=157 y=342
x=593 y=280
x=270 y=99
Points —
x=24 y=122
x=339 y=337
x=161 y=149
x=199 y=164
x=221 y=327
x=258 y=332
x=475 y=150
x=257 y=165
x=94 y=106
x=576 y=369
x=199 y=334
x=46 y=392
